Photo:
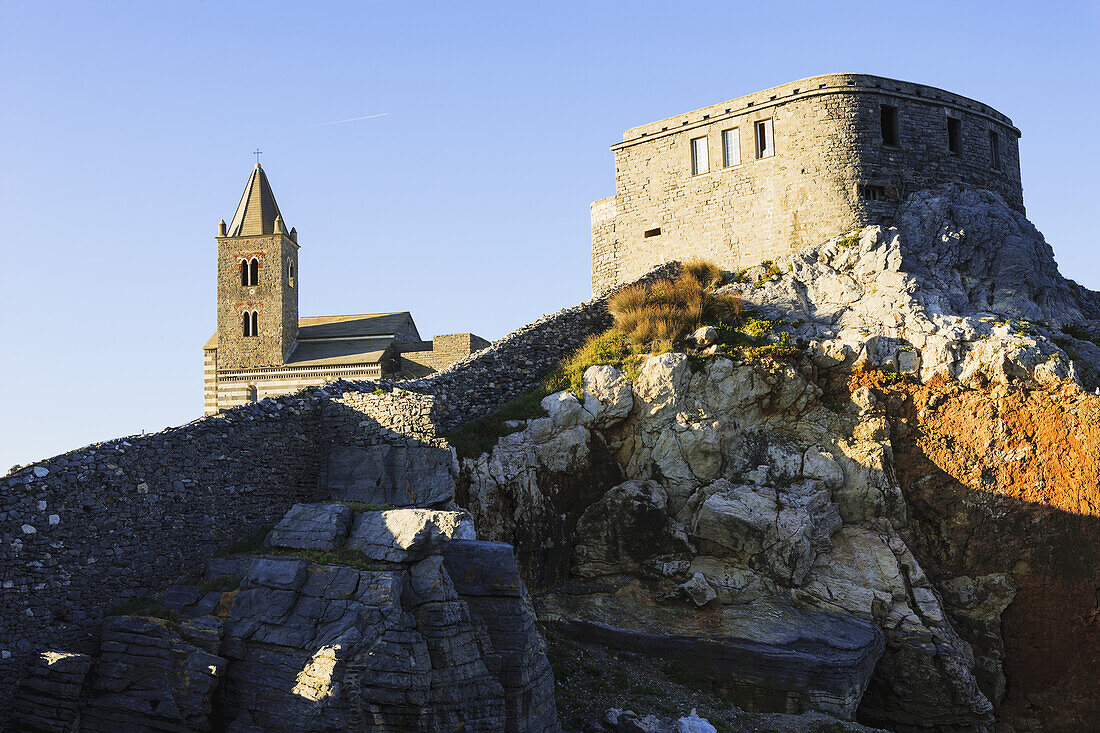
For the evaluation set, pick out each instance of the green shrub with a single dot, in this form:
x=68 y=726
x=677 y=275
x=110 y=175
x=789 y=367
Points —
x=480 y=435
x=848 y=241
x=771 y=272
x=608 y=348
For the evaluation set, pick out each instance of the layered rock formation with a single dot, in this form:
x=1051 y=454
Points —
x=839 y=498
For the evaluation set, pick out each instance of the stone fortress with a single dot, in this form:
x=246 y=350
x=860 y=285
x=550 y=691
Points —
x=791 y=166
x=262 y=347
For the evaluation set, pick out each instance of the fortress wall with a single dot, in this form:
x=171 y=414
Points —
x=86 y=530
x=827 y=138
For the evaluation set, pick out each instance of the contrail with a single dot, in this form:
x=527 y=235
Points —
x=350 y=119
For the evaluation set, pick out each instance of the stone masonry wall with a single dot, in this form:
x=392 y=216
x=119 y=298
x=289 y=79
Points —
x=89 y=529
x=426 y=357
x=828 y=145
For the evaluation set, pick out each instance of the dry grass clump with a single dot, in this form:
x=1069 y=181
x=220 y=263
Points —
x=610 y=347
x=669 y=310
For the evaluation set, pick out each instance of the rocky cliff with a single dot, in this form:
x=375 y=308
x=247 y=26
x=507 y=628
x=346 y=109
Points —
x=894 y=525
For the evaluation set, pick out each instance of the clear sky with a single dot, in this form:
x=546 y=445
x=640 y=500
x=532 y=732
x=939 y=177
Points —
x=126 y=132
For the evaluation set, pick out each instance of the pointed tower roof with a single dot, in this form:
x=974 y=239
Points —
x=257 y=212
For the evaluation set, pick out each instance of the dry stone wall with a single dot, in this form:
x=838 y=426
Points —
x=84 y=531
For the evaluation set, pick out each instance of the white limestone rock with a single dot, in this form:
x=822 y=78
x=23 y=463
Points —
x=565 y=410
x=698 y=590
x=608 y=395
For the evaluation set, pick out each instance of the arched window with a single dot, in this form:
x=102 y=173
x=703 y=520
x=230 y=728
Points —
x=290 y=272
x=250 y=394
x=244 y=272
x=246 y=324
x=255 y=323
x=254 y=272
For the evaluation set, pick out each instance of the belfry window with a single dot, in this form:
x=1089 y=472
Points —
x=250 y=272
x=765 y=145
x=889 y=124
x=290 y=272
x=995 y=149
x=250 y=323
x=699 y=162
x=954 y=135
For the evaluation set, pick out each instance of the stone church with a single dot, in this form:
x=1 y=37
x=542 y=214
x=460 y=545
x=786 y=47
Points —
x=263 y=347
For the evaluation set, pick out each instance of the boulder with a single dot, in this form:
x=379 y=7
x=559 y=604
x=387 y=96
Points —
x=778 y=530
x=407 y=535
x=608 y=395
x=565 y=410
x=311 y=527
x=698 y=590
x=626 y=527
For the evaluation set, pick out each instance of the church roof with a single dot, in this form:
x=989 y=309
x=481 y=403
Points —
x=257 y=211
x=337 y=340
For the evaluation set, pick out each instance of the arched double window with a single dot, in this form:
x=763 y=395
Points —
x=250 y=272
x=250 y=323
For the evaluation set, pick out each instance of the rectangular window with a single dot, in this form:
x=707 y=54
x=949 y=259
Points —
x=871 y=192
x=954 y=135
x=653 y=232
x=765 y=145
x=995 y=149
x=889 y=122
x=699 y=161
x=731 y=147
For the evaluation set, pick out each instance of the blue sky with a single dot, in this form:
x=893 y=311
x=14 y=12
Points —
x=126 y=133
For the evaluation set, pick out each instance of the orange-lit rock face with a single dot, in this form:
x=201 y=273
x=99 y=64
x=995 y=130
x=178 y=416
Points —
x=1008 y=481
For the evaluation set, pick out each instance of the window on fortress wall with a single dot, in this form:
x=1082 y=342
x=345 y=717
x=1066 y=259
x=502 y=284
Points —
x=290 y=272
x=250 y=393
x=731 y=147
x=954 y=135
x=872 y=192
x=889 y=122
x=699 y=161
x=244 y=272
x=995 y=149
x=254 y=272
x=765 y=144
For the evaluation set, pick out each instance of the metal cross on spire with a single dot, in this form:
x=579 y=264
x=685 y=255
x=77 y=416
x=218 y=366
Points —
x=257 y=152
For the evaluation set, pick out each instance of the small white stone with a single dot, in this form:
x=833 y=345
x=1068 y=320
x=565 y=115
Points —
x=28 y=529
x=9 y=583
x=41 y=506
x=54 y=520
x=39 y=471
x=5 y=654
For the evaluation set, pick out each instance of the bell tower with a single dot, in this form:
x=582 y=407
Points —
x=257 y=282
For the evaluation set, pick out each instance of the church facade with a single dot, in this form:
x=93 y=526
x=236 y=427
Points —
x=263 y=348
